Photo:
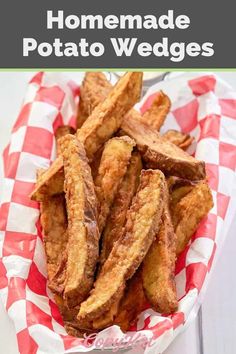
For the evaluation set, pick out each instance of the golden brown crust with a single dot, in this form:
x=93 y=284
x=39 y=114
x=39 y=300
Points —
x=188 y=213
x=132 y=303
x=82 y=248
x=158 y=153
x=53 y=218
x=182 y=140
x=155 y=116
x=178 y=188
x=107 y=318
x=119 y=294
x=107 y=117
x=104 y=121
x=143 y=220
x=113 y=166
x=96 y=162
x=94 y=89
x=57 y=283
x=54 y=224
x=62 y=131
x=158 y=269
x=50 y=183
x=122 y=201
x=66 y=313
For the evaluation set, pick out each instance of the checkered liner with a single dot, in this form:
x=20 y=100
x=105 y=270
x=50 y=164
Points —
x=202 y=106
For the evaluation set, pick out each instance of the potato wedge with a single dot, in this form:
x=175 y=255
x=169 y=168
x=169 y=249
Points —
x=114 y=162
x=143 y=221
x=107 y=318
x=104 y=121
x=182 y=140
x=107 y=117
x=120 y=206
x=158 y=270
x=53 y=218
x=94 y=89
x=161 y=154
x=50 y=183
x=96 y=162
x=155 y=116
x=178 y=188
x=83 y=235
x=132 y=304
x=54 y=224
x=60 y=132
x=188 y=213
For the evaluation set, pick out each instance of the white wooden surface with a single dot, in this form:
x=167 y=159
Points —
x=214 y=330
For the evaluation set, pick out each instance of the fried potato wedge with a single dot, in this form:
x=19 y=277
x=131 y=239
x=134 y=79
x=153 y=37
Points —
x=104 y=121
x=60 y=132
x=182 y=140
x=107 y=117
x=120 y=206
x=83 y=235
x=66 y=313
x=53 y=218
x=188 y=213
x=178 y=188
x=50 y=183
x=55 y=237
x=54 y=224
x=142 y=224
x=161 y=154
x=94 y=89
x=155 y=116
x=107 y=318
x=96 y=162
x=132 y=304
x=113 y=166
x=158 y=270
x=57 y=282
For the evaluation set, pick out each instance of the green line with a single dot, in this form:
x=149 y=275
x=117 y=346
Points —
x=116 y=69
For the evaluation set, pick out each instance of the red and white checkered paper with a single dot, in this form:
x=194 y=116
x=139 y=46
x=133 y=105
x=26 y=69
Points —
x=203 y=106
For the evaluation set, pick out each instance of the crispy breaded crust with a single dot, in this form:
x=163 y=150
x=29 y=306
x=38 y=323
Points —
x=53 y=218
x=107 y=318
x=122 y=201
x=96 y=162
x=94 y=89
x=143 y=221
x=104 y=121
x=158 y=269
x=178 y=188
x=62 y=131
x=158 y=153
x=155 y=116
x=66 y=313
x=132 y=303
x=107 y=117
x=113 y=166
x=54 y=224
x=50 y=183
x=57 y=283
x=82 y=249
x=188 y=213
x=182 y=140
